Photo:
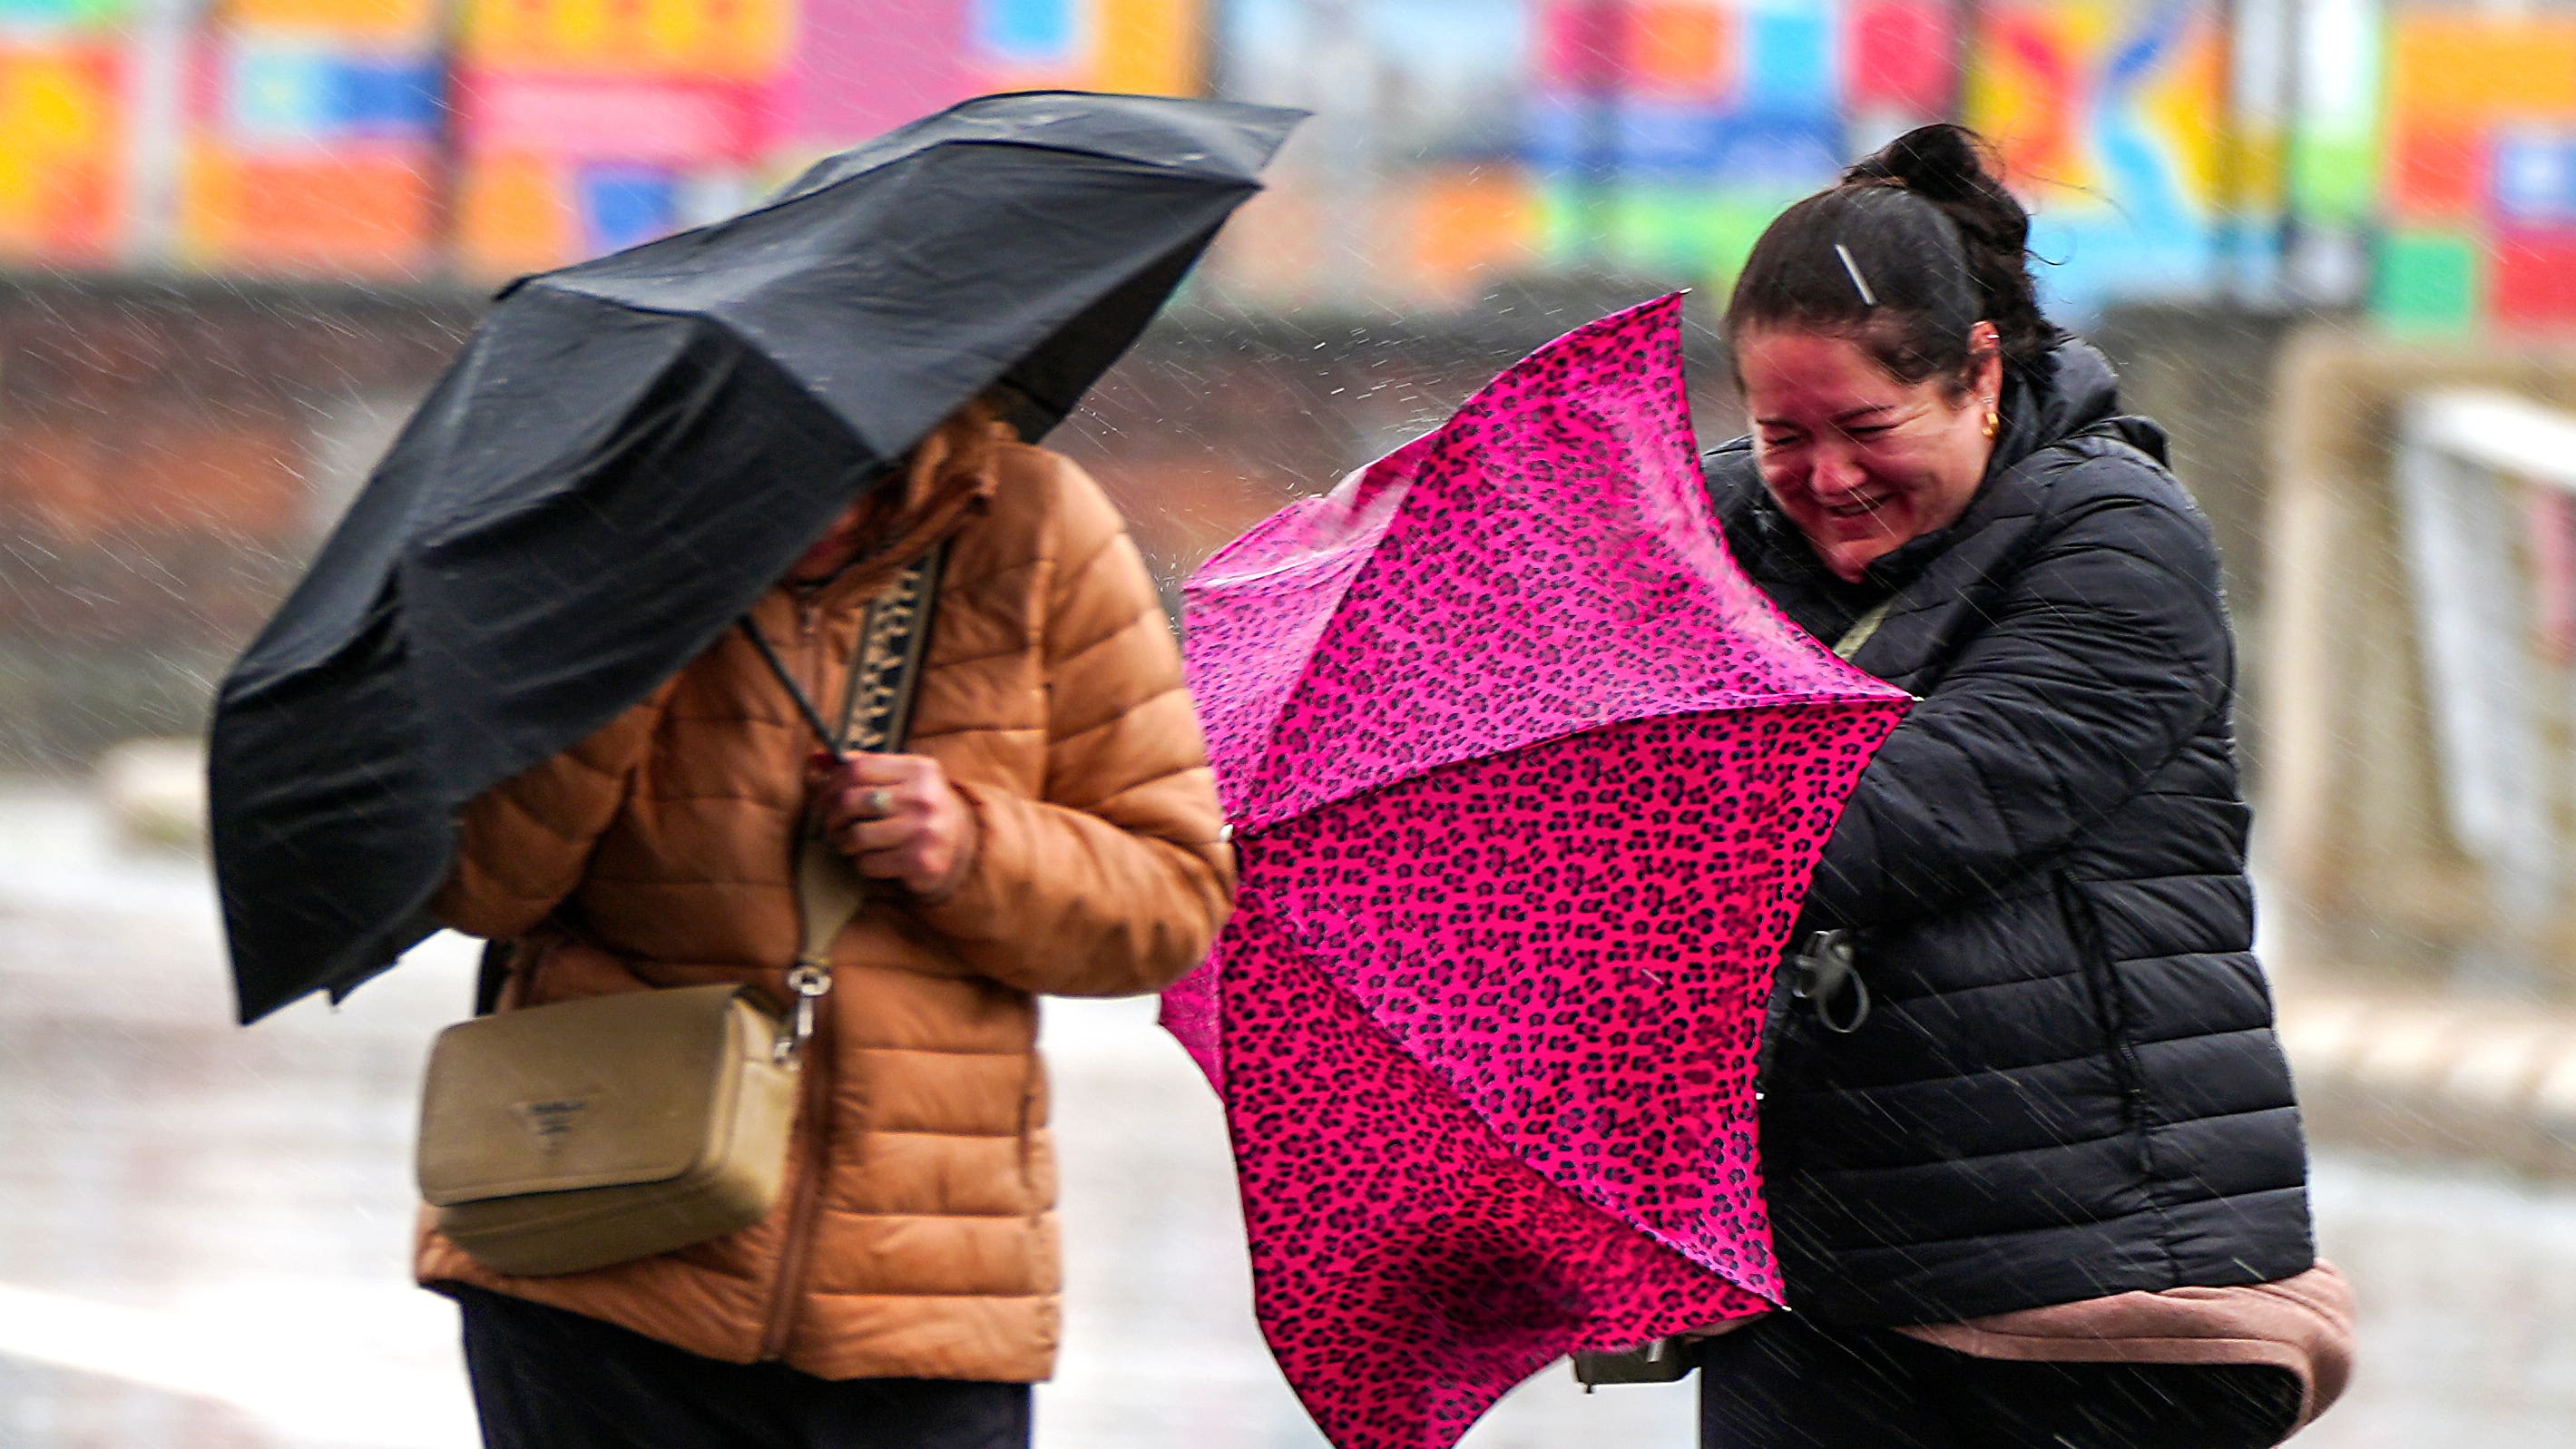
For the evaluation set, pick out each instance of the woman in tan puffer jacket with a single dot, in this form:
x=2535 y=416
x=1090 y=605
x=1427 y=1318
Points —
x=1052 y=827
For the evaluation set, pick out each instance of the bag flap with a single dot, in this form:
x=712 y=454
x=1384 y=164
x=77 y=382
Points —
x=600 y=1092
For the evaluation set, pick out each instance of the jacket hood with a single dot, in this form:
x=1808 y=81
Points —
x=2072 y=389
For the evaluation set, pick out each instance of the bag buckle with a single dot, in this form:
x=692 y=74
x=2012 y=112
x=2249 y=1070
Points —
x=1828 y=963
x=1662 y=1361
x=811 y=981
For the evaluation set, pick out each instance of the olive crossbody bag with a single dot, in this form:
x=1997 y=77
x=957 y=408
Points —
x=584 y=1133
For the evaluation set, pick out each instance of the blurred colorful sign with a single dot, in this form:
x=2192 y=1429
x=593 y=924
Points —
x=1722 y=95
x=666 y=121
x=741 y=40
x=394 y=137
x=400 y=137
x=1028 y=32
x=1902 y=55
x=61 y=169
x=2481 y=172
x=298 y=95
x=862 y=67
x=2331 y=172
x=315 y=137
x=2535 y=178
x=2107 y=118
x=383 y=24
x=353 y=214
x=1146 y=46
x=1668 y=50
x=39 y=15
x=1650 y=134
x=584 y=125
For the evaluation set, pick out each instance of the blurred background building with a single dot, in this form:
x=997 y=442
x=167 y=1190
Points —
x=2414 y=156
x=239 y=237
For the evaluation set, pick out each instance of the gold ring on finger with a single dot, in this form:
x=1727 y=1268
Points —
x=877 y=804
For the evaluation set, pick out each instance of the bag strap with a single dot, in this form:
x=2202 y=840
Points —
x=1862 y=627
x=876 y=718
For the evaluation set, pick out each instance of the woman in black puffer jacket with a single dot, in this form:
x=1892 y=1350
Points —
x=2035 y=1169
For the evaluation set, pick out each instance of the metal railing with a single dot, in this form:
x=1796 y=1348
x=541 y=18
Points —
x=2486 y=493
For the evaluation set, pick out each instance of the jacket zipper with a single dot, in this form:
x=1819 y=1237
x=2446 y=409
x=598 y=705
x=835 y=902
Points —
x=801 y=1210
x=2110 y=1010
x=817 y=1104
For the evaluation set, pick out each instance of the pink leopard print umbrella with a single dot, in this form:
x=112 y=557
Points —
x=1526 y=781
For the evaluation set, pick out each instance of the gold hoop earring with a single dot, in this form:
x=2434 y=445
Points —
x=1994 y=422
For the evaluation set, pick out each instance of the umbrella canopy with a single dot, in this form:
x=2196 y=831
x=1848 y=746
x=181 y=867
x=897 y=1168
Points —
x=1527 y=781
x=630 y=450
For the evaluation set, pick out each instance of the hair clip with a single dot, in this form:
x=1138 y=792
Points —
x=1860 y=284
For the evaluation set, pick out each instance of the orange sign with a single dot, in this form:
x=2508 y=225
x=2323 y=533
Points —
x=356 y=214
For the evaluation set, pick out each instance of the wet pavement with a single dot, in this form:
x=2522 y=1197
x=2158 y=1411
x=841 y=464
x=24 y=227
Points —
x=203 y=1231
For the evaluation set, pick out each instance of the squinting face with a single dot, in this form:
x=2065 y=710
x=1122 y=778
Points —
x=1861 y=462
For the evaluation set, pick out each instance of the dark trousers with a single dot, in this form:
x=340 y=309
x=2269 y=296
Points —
x=1789 y=1383
x=547 y=1379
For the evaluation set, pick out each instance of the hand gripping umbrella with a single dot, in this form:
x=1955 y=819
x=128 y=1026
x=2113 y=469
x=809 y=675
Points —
x=629 y=451
x=1527 y=782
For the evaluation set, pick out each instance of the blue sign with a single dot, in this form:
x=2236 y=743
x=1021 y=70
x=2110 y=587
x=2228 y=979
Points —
x=1721 y=147
x=284 y=96
x=623 y=205
x=2535 y=178
x=1027 y=32
x=1791 y=60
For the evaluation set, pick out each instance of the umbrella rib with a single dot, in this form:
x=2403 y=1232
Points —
x=1157 y=167
x=1818 y=698
x=751 y=350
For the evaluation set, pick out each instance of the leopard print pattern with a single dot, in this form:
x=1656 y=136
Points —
x=1527 y=781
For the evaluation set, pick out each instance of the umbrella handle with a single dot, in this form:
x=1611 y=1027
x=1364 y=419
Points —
x=1821 y=968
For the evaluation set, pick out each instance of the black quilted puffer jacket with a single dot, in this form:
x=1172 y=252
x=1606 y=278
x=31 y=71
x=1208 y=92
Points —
x=2067 y=1083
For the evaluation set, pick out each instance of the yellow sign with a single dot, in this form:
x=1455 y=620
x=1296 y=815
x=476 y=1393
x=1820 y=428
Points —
x=58 y=172
x=393 y=22
x=694 y=39
x=1147 y=47
x=2463 y=71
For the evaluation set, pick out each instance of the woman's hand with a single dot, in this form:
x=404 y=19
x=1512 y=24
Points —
x=896 y=817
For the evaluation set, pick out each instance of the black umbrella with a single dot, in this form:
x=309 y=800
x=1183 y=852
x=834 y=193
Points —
x=630 y=450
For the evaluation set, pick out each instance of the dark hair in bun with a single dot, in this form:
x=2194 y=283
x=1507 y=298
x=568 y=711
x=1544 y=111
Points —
x=1916 y=245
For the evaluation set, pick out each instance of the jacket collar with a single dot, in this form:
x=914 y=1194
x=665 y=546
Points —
x=948 y=477
x=2071 y=389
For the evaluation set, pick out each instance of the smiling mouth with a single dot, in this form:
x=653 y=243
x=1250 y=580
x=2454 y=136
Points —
x=1858 y=507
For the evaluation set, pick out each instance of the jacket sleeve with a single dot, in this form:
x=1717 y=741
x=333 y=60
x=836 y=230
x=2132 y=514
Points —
x=523 y=844
x=1116 y=881
x=2107 y=654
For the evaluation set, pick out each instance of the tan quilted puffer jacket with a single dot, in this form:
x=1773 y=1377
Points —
x=916 y=1236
